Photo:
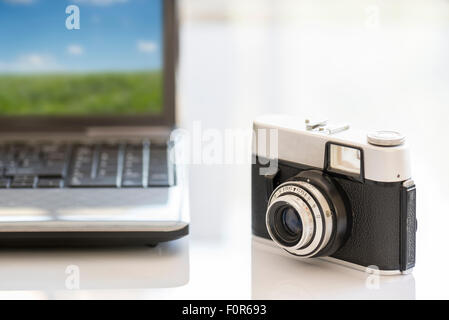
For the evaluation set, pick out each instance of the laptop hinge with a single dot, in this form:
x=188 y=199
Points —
x=162 y=132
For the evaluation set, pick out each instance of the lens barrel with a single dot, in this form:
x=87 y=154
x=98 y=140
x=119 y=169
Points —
x=308 y=216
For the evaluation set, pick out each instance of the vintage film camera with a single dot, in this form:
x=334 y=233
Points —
x=323 y=190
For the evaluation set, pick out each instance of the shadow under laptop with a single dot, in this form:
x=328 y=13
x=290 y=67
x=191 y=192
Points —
x=275 y=276
x=47 y=270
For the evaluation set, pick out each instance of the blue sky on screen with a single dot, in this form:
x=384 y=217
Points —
x=115 y=35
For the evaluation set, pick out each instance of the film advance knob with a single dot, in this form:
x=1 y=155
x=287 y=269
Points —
x=386 y=138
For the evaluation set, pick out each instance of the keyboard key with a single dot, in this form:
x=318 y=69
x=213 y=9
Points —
x=12 y=171
x=21 y=159
x=23 y=182
x=49 y=183
x=53 y=171
x=81 y=165
x=132 y=182
x=107 y=162
x=159 y=174
x=94 y=183
x=4 y=183
x=95 y=166
x=132 y=175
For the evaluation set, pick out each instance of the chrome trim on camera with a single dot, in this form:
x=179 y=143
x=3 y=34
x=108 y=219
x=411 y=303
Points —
x=365 y=269
x=321 y=214
x=327 y=213
x=408 y=184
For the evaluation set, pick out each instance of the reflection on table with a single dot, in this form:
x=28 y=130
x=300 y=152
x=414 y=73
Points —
x=47 y=270
x=275 y=276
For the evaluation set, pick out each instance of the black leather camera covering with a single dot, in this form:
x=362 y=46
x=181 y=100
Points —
x=383 y=218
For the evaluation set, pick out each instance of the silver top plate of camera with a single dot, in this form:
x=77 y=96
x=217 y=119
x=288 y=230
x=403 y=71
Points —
x=385 y=156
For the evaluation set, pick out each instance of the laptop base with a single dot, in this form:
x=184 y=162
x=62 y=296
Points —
x=89 y=239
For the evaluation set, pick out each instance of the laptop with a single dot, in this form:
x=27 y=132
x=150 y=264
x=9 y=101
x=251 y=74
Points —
x=87 y=106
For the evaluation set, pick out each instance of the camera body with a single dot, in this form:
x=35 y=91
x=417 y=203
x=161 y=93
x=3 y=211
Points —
x=322 y=190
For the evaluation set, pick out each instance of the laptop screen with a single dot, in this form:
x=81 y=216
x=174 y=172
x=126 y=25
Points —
x=81 y=57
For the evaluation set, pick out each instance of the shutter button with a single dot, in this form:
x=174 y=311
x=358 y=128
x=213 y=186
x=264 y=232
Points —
x=386 y=138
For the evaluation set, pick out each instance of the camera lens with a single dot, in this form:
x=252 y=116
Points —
x=291 y=221
x=307 y=216
x=287 y=224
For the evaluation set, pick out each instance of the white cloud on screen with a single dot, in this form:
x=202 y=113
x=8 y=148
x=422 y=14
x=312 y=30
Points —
x=146 y=46
x=75 y=50
x=31 y=63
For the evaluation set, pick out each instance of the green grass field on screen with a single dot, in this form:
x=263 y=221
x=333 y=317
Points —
x=115 y=93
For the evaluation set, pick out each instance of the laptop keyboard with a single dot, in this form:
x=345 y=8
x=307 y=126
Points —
x=99 y=165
